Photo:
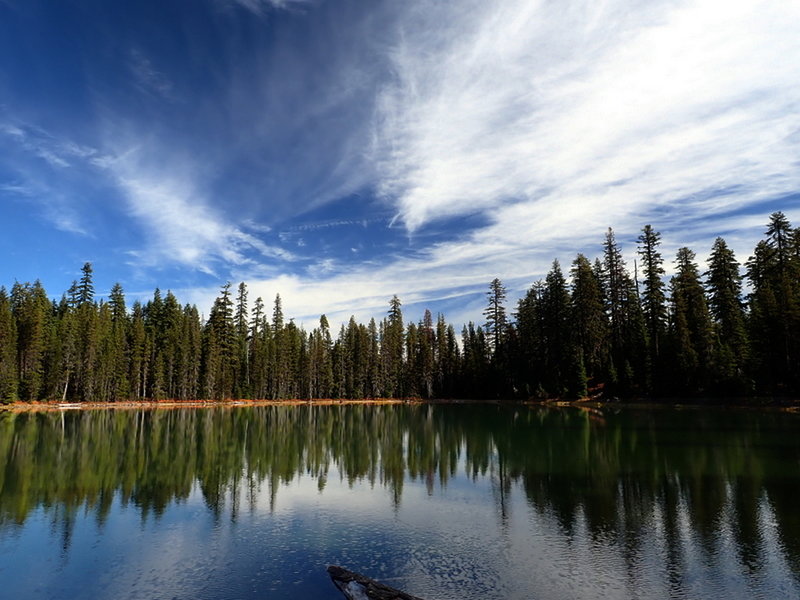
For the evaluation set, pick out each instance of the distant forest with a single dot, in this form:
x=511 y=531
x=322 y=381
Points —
x=598 y=331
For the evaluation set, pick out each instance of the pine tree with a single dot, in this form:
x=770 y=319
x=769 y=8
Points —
x=190 y=352
x=495 y=313
x=88 y=336
x=218 y=347
x=787 y=285
x=556 y=315
x=279 y=365
x=139 y=358
x=426 y=355
x=62 y=352
x=443 y=361
x=119 y=343
x=85 y=288
x=8 y=350
x=529 y=366
x=654 y=303
x=392 y=344
x=774 y=273
x=412 y=374
x=104 y=364
x=724 y=289
x=576 y=375
x=628 y=336
x=257 y=354
x=242 y=360
x=692 y=330
x=31 y=310
x=589 y=322
x=475 y=362
x=374 y=383
x=326 y=347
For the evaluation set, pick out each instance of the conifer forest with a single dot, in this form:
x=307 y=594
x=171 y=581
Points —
x=593 y=328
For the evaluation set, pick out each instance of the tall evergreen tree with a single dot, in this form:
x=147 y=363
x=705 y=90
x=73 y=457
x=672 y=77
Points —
x=119 y=343
x=691 y=327
x=724 y=289
x=86 y=286
x=654 y=303
x=495 y=313
x=31 y=310
x=242 y=360
x=774 y=273
x=392 y=353
x=279 y=367
x=218 y=347
x=137 y=346
x=628 y=365
x=589 y=322
x=189 y=354
x=529 y=363
x=780 y=238
x=8 y=350
x=557 y=318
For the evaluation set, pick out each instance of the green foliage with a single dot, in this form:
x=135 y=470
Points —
x=589 y=323
x=495 y=314
x=691 y=325
x=8 y=350
x=774 y=273
x=654 y=301
x=592 y=334
x=724 y=291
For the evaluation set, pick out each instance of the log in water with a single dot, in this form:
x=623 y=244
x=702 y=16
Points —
x=359 y=587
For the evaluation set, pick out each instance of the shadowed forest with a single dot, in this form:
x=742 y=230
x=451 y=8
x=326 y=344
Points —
x=597 y=330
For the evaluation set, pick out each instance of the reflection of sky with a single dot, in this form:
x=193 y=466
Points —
x=453 y=542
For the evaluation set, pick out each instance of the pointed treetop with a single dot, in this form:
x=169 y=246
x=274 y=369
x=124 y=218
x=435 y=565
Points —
x=85 y=287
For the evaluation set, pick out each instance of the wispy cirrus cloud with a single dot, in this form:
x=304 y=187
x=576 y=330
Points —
x=553 y=118
x=40 y=143
x=147 y=77
x=36 y=162
x=556 y=122
x=180 y=224
x=260 y=7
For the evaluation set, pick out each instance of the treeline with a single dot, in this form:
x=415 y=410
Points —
x=605 y=331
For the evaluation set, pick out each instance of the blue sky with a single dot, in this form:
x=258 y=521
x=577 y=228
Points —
x=338 y=152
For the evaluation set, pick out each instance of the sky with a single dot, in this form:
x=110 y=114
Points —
x=338 y=152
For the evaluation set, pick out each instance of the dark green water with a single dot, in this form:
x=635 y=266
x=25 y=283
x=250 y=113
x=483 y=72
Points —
x=444 y=501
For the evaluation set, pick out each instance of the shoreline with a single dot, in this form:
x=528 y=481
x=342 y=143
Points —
x=54 y=405
x=785 y=404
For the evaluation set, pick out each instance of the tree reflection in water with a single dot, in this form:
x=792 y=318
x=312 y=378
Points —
x=700 y=477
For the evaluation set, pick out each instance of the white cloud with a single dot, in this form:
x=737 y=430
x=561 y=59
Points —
x=557 y=121
x=259 y=7
x=180 y=223
x=32 y=183
x=38 y=142
x=554 y=118
x=147 y=77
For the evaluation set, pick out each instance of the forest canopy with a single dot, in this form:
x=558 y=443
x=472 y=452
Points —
x=595 y=330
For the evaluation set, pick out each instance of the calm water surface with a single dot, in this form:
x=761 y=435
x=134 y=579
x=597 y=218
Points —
x=444 y=501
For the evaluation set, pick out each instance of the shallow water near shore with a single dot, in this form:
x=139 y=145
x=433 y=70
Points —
x=442 y=501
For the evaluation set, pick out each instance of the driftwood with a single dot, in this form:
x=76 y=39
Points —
x=359 y=587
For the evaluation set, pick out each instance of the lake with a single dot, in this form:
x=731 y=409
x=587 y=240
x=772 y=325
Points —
x=445 y=501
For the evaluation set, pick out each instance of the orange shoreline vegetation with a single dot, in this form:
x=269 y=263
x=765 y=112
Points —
x=55 y=405
x=588 y=403
x=52 y=405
